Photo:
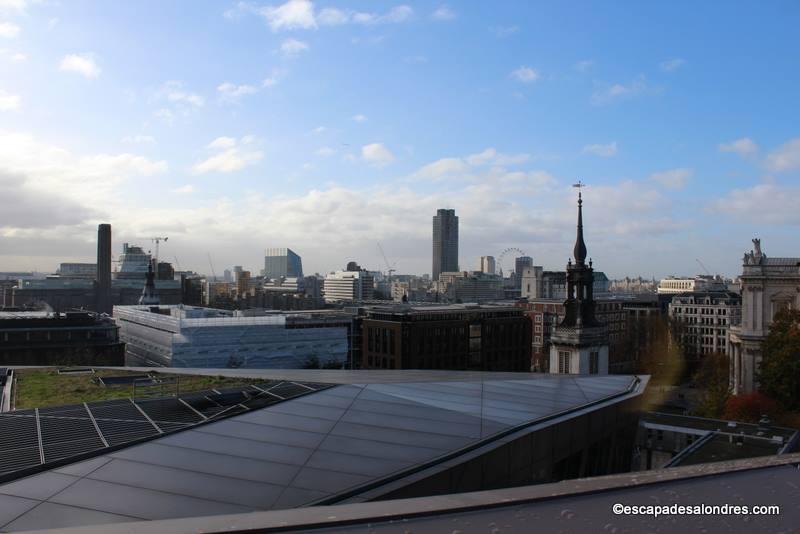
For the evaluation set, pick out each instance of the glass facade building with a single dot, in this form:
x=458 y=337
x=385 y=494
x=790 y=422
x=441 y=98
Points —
x=282 y=263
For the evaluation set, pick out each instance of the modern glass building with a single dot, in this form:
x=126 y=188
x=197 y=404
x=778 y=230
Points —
x=282 y=263
x=445 y=243
x=188 y=336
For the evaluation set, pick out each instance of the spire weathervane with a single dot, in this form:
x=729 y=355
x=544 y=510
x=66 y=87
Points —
x=580 y=247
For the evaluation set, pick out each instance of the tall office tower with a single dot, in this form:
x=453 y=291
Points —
x=519 y=268
x=445 y=243
x=103 y=290
x=488 y=265
x=282 y=263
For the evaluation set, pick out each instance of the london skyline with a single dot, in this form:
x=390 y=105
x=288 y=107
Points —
x=235 y=127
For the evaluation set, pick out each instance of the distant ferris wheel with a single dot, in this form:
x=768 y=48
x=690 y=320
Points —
x=508 y=255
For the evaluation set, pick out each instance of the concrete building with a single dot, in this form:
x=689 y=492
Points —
x=488 y=265
x=282 y=263
x=540 y=284
x=348 y=286
x=703 y=319
x=520 y=264
x=77 y=270
x=768 y=286
x=579 y=343
x=72 y=338
x=467 y=286
x=445 y=243
x=186 y=336
x=484 y=338
x=675 y=285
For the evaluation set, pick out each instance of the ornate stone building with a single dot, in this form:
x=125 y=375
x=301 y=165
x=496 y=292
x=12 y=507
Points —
x=768 y=286
x=579 y=344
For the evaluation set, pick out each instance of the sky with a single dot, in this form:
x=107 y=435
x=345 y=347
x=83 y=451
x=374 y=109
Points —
x=332 y=126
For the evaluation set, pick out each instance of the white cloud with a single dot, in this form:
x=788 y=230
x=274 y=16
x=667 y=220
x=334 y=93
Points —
x=274 y=77
x=443 y=13
x=300 y=15
x=671 y=65
x=232 y=92
x=83 y=64
x=184 y=189
x=139 y=139
x=12 y=55
x=18 y=6
x=604 y=151
x=482 y=158
x=443 y=167
x=744 y=147
x=360 y=118
x=174 y=91
x=232 y=155
x=9 y=102
x=607 y=94
x=416 y=59
x=584 y=65
x=165 y=115
x=525 y=74
x=318 y=130
x=673 y=178
x=786 y=157
x=763 y=203
x=333 y=17
x=293 y=15
x=9 y=30
x=503 y=31
x=377 y=153
x=292 y=47
x=325 y=151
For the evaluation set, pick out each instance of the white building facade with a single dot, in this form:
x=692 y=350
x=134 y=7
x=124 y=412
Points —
x=768 y=286
x=704 y=319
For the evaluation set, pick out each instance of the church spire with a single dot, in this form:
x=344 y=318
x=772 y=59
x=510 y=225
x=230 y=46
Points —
x=149 y=295
x=580 y=247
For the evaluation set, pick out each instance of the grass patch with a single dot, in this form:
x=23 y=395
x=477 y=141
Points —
x=39 y=388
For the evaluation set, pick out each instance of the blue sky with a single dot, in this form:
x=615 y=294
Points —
x=330 y=126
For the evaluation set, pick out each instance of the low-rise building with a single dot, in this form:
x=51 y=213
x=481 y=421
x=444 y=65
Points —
x=673 y=285
x=488 y=338
x=71 y=338
x=540 y=284
x=187 y=336
x=466 y=286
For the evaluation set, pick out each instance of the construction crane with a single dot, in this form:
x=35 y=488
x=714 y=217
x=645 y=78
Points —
x=157 y=241
x=703 y=266
x=389 y=267
x=212 y=267
x=178 y=263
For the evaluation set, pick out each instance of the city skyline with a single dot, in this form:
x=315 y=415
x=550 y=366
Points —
x=233 y=127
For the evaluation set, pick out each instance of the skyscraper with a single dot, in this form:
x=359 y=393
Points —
x=488 y=265
x=519 y=268
x=103 y=288
x=282 y=263
x=445 y=242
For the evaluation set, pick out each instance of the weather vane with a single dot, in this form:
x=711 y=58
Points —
x=579 y=185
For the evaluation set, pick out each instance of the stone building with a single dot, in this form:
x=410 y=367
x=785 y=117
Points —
x=768 y=286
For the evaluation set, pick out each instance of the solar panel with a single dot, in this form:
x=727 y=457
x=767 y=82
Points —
x=80 y=429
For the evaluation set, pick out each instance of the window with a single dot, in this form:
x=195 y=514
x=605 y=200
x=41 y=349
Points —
x=563 y=361
x=594 y=362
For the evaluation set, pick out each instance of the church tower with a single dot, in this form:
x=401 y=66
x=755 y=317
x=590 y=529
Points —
x=149 y=295
x=579 y=343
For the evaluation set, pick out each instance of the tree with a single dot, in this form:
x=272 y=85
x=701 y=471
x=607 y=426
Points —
x=750 y=407
x=712 y=379
x=779 y=373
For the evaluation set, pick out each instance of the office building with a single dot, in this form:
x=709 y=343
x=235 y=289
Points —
x=77 y=270
x=540 y=284
x=72 y=338
x=768 y=286
x=187 y=336
x=445 y=243
x=579 y=343
x=520 y=264
x=282 y=263
x=472 y=286
x=348 y=286
x=702 y=320
x=672 y=285
x=467 y=337
x=488 y=265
